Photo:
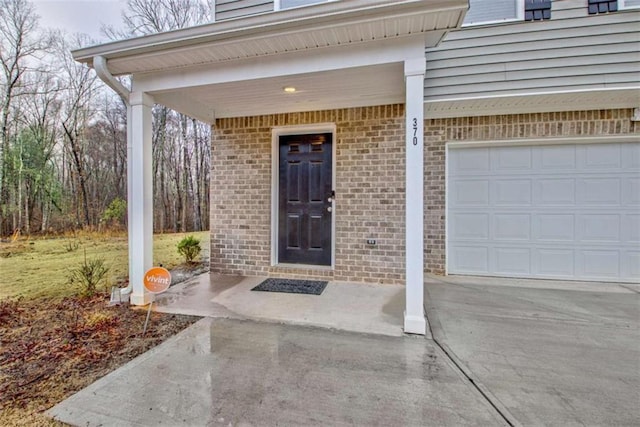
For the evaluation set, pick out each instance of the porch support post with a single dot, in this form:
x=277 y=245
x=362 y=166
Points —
x=414 y=320
x=140 y=197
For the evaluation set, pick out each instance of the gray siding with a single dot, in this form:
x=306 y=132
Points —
x=227 y=9
x=572 y=51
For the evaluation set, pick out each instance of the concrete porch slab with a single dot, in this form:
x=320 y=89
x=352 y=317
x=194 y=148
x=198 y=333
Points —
x=365 y=308
x=243 y=373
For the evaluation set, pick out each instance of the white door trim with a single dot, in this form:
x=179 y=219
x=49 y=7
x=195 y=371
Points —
x=276 y=133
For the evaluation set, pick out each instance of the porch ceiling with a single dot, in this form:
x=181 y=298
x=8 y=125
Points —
x=350 y=87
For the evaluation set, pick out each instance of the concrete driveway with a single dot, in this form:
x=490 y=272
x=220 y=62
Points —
x=545 y=353
x=505 y=352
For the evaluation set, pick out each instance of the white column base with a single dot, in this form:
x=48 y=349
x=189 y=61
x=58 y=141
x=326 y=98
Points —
x=415 y=324
x=140 y=299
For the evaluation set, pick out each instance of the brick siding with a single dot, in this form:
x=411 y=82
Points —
x=370 y=188
x=369 y=194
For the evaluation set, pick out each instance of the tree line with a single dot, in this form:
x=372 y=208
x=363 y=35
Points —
x=63 y=145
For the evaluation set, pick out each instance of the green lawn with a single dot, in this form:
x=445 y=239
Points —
x=40 y=267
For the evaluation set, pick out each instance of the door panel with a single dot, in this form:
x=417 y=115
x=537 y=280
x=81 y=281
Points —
x=305 y=189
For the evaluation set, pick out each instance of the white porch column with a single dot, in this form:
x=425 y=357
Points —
x=414 y=320
x=140 y=197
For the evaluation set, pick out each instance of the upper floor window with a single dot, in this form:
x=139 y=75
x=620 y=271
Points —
x=604 y=6
x=537 y=10
x=628 y=4
x=288 y=4
x=494 y=11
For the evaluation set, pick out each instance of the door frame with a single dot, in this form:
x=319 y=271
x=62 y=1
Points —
x=276 y=133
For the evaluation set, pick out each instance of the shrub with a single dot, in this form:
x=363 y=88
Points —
x=115 y=212
x=189 y=247
x=89 y=275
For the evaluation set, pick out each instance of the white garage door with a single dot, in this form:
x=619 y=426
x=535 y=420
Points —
x=567 y=211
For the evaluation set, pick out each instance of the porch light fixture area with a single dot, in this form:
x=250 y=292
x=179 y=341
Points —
x=289 y=89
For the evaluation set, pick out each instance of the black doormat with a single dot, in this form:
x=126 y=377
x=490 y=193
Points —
x=311 y=287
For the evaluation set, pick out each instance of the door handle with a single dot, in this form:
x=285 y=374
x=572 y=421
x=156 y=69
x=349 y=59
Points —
x=329 y=209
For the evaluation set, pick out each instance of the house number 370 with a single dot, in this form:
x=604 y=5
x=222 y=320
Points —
x=415 y=131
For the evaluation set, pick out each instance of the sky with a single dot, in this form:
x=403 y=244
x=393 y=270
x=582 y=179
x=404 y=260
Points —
x=80 y=16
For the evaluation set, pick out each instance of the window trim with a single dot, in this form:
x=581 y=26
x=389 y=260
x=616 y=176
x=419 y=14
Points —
x=277 y=4
x=622 y=5
x=518 y=18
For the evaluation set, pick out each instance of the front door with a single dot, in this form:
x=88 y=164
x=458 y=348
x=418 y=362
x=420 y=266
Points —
x=305 y=195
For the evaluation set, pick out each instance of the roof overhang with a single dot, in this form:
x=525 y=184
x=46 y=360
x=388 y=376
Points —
x=340 y=54
x=301 y=29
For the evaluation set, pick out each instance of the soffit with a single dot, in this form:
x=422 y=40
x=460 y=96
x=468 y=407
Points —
x=324 y=25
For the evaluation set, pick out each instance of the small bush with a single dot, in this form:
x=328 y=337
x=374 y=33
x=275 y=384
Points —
x=89 y=275
x=115 y=212
x=189 y=247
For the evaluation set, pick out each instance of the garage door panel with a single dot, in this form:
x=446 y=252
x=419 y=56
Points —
x=510 y=159
x=599 y=191
x=463 y=162
x=632 y=264
x=554 y=191
x=600 y=263
x=510 y=261
x=631 y=156
x=550 y=227
x=560 y=158
x=511 y=227
x=470 y=226
x=469 y=259
x=599 y=228
x=631 y=192
x=471 y=192
x=602 y=156
x=569 y=211
x=554 y=262
x=508 y=192
x=631 y=224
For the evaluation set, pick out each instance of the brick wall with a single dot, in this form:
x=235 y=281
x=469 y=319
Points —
x=490 y=128
x=369 y=194
x=369 y=184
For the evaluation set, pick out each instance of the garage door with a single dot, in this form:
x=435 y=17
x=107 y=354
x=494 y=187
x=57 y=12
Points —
x=567 y=211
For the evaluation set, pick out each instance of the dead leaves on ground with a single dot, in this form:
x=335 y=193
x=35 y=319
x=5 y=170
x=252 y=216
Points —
x=50 y=349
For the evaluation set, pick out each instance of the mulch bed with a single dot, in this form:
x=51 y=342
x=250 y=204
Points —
x=50 y=349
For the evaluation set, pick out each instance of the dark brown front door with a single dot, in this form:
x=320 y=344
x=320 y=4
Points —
x=304 y=223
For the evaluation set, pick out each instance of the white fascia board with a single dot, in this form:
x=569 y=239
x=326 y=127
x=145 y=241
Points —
x=267 y=24
x=293 y=63
x=534 y=102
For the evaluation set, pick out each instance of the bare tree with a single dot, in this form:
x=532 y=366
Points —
x=173 y=137
x=19 y=41
x=81 y=88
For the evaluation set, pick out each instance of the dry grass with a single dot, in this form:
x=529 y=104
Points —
x=54 y=343
x=36 y=268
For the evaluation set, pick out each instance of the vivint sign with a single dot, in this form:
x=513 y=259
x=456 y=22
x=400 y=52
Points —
x=157 y=280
